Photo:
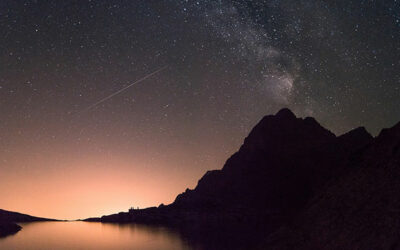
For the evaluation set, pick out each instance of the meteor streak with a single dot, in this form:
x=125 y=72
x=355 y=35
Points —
x=121 y=90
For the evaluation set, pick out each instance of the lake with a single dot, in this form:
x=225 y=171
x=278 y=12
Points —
x=93 y=235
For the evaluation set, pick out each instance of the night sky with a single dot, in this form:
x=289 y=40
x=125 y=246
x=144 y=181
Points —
x=226 y=65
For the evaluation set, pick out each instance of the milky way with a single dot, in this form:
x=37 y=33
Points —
x=229 y=64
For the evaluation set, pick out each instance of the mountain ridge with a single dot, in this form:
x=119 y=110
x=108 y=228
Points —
x=256 y=145
x=282 y=165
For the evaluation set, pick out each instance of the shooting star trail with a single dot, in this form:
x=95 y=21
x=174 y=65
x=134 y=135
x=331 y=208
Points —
x=121 y=90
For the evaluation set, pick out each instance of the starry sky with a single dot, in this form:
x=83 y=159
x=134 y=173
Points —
x=225 y=64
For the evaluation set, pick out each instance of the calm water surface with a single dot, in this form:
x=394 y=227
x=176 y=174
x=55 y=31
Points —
x=92 y=235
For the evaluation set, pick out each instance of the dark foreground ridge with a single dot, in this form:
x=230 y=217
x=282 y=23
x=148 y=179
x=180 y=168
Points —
x=9 y=219
x=294 y=185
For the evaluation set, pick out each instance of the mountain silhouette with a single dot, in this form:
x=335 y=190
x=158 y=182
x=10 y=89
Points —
x=294 y=183
x=9 y=219
x=281 y=164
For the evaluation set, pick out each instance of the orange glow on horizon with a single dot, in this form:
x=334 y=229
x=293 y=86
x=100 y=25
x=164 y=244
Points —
x=61 y=177
x=92 y=188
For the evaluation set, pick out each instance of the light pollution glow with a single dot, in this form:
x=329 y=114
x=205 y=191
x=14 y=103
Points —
x=55 y=177
x=90 y=188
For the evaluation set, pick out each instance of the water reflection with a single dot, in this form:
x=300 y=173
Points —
x=91 y=235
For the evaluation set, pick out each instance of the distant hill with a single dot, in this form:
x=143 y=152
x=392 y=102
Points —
x=8 y=216
x=8 y=221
